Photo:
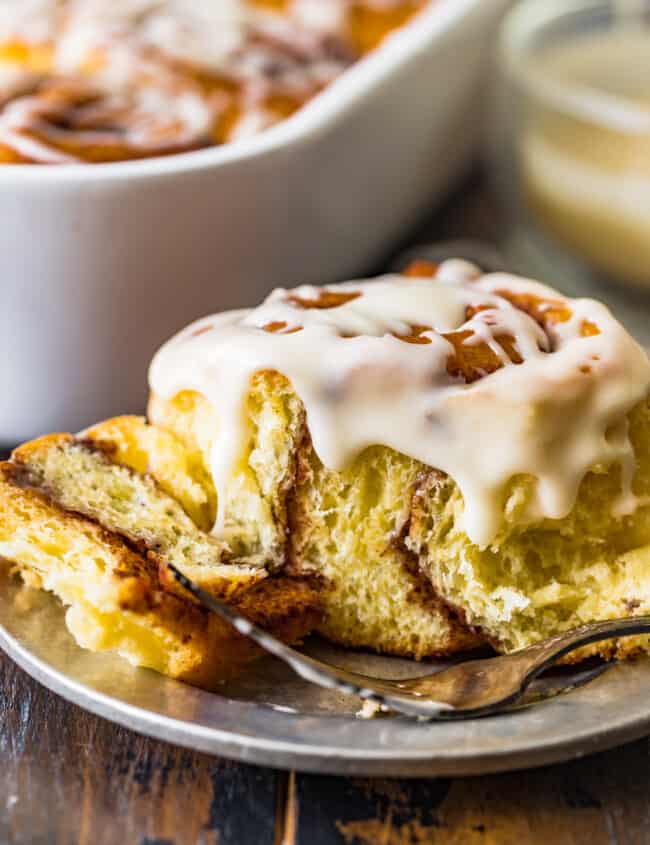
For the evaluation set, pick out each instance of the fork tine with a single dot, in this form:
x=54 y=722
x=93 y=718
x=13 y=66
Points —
x=463 y=691
x=311 y=670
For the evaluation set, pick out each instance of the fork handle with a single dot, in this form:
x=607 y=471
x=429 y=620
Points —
x=545 y=654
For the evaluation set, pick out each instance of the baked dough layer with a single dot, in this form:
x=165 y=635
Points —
x=98 y=534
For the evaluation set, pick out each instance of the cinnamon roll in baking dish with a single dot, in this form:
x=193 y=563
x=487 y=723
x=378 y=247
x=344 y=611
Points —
x=415 y=464
x=97 y=81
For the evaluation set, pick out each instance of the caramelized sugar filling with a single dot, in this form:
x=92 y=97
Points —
x=202 y=330
x=473 y=361
x=416 y=335
x=547 y=312
x=37 y=58
x=420 y=269
x=368 y=25
x=273 y=5
x=280 y=327
x=325 y=299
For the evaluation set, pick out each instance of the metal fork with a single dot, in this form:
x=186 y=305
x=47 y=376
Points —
x=463 y=691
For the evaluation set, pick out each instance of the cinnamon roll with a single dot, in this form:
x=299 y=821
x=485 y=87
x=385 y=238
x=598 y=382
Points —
x=452 y=453
x=89 y=81
x=416 y=464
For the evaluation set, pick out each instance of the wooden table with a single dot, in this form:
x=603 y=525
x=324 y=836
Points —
x=70 y=777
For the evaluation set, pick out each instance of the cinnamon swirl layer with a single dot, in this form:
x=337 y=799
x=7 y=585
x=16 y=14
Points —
x=90 y=81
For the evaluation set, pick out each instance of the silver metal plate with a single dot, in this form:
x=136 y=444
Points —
x=272 y=718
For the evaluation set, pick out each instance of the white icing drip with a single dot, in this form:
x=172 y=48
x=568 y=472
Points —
x=36 y=21
x=160 y=116
x=387 y=305
x=251 y=123
x=553 y=417
x=318 y=16
x=202 y=32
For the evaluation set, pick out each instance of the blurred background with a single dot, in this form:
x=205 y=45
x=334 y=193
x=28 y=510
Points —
x=569 y=149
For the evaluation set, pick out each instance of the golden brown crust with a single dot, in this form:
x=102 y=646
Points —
x=204 y=650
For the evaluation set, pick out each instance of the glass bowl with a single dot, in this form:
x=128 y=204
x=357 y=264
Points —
x=571 y=131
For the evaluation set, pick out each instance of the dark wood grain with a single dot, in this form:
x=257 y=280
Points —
x=69 y=777
x=601 y=800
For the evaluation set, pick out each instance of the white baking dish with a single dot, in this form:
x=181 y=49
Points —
x=99 y=264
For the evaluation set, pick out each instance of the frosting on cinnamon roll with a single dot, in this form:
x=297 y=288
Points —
x=484 y=377
x=164 y=76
